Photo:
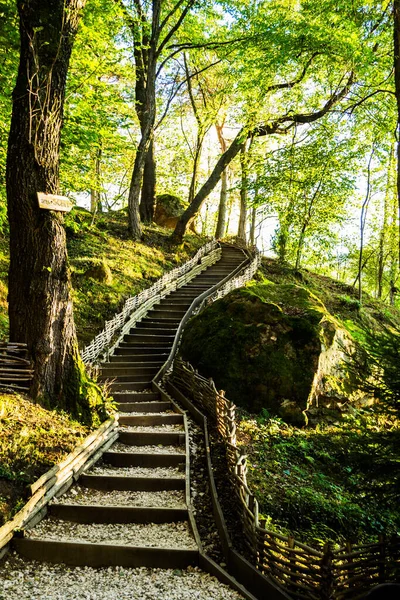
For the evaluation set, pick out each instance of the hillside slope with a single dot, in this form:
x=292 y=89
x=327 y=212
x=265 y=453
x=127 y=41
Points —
x=323 y=452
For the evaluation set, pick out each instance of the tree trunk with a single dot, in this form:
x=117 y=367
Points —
x=243 y=193
x=396 y=39
x=253 y=226
x=383 y=232
x=221 y=223
x=223 y=197
x=148 y=198
x=95 y=200
x=40 y=303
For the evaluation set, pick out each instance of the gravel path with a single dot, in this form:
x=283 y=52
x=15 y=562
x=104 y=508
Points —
x=119 y=447
x=78 y=495
x=156 y=428
x=136 y=471
x=31 y=580
x=163 y=535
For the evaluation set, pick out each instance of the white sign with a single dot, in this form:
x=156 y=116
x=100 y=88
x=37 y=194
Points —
x=53 y=202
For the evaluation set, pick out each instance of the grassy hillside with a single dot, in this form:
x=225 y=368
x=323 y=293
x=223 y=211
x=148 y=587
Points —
x=338 y=477
x=32 y=440
x=107 y=266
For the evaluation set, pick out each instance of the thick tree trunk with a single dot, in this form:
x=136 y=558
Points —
x=148 y=198
x=40 y=303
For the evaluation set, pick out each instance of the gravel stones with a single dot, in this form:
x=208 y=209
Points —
x=31 y=580
x=87 y=496
x=163 y=535
x=166 y=428
x=158 y=472
x=160 y=449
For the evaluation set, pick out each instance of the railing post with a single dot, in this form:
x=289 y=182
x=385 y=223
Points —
x=381 y=564
x=327 y=578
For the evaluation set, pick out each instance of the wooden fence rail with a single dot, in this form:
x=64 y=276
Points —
x=306 y=573
x=16 y=368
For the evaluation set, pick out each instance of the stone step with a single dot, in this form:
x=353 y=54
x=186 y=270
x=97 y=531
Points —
x=103 y=555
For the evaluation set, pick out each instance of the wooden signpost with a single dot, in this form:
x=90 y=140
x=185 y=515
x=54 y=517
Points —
x=53 y=202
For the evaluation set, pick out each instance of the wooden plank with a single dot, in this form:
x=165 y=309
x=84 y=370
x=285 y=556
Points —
x=54 y=202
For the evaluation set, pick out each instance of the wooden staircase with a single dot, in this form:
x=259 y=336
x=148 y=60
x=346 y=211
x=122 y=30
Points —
x=149 y=424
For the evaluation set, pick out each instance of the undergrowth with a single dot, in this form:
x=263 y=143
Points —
x=32 y=440
x=335 y=482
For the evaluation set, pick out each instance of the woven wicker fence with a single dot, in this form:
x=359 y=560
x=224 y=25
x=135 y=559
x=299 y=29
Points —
x=103 y=340
x=302 y=571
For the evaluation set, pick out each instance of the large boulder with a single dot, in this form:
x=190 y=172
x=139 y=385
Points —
x=274 y=347
x=168 y=210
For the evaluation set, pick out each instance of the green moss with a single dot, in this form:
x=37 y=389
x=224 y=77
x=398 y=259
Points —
x=259 y=349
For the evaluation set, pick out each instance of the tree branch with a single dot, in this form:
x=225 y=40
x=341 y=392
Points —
x=175 y=27
x=290 y=84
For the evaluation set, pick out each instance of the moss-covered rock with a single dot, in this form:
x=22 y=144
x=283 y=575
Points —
x=272 y=346
x=168 y=210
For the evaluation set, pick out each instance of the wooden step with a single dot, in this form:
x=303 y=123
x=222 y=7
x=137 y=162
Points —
x=121 y=379
x=144 y=459
x=132 y=397
x=164 y=313
x=151 y=438
x=148 y=338
x=104 y=555
x=136 y=362
x=151 y=420
x=116 y=370
x=140 y=350
x=144 y=406
x=159 y=324
x=132 y=484
x=153 y=331
x=79 y=513
x=123 y=386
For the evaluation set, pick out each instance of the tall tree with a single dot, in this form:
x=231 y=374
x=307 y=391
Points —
x=40 y=303
x=152 y=28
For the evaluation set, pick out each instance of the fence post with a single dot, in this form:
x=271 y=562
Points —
x=349 y=548
x=327 y=578
x=381 y=564
x=291 y=544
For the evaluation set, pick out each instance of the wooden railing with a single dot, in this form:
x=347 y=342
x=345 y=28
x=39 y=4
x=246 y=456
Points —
x=16 y=368
x=59 y=478
x=104 y=339
x=302 y=571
